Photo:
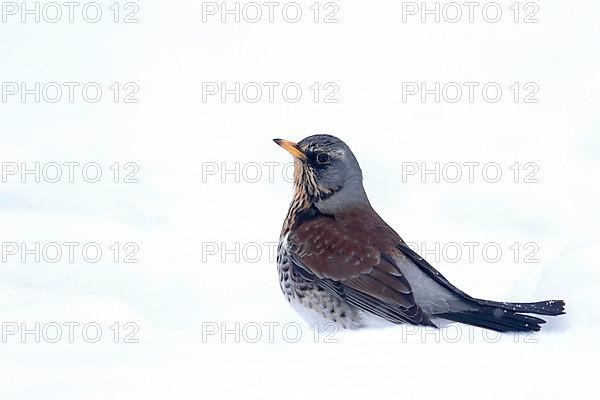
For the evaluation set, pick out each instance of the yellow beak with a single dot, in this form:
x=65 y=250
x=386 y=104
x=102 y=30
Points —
x=292 y=148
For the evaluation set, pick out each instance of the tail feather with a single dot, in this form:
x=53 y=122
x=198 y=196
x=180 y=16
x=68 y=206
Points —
x=507 y=317
x=548 y=307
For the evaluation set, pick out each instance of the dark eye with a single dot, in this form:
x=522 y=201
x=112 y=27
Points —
x=323 y=158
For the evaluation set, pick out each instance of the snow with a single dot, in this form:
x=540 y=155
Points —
x=186 y=291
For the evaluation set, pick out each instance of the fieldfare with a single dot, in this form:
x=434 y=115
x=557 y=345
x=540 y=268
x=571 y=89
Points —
x=339 y=262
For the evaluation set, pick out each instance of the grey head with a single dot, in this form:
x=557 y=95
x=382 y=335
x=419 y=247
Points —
x=326 y=173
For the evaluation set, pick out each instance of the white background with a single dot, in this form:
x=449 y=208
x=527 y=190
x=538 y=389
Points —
x=177 y=210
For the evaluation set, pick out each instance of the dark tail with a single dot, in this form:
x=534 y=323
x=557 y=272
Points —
x=507 y=317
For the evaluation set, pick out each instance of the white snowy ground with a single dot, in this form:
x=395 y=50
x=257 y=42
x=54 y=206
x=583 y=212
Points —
x=178 y=294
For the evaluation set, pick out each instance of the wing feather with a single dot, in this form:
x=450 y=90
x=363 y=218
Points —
x=342 y=256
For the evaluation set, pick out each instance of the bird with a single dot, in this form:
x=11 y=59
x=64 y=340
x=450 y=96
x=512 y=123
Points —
x=340 y=263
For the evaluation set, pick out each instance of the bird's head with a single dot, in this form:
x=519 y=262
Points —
x=326 y=173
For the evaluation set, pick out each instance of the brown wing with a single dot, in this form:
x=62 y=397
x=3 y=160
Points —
x=344 y=256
